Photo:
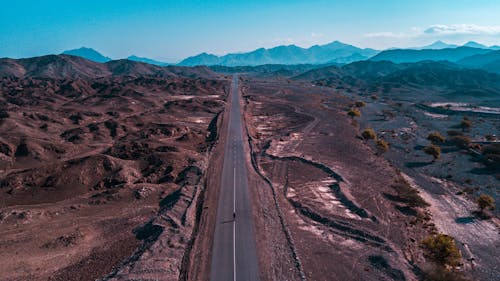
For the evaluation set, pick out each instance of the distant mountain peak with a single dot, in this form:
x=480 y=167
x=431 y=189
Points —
x=473 y=44
x=335 y=44
x=146 y=60
x=439 y=45
x=88 y=53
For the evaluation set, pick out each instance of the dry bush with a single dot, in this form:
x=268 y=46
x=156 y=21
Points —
x=485 y=202
x=459 y=141
x=360 y=104
x=437 y=273
x=436 y=138
x=369 y=134
x=453 y=133
x=442 y=249
x=354 y=112
x=409 y=195
x=382 y=145
x=465 y=124
x=433 y=150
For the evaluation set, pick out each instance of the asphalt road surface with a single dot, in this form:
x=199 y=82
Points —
x=234 y=255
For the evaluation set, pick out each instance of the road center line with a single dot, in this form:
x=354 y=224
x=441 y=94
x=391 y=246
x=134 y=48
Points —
x=234 y=223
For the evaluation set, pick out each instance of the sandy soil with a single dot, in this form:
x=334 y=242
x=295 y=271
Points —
x=341 y=222
x=102 y=177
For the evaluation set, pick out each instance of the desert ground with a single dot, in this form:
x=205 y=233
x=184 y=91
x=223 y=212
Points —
x=114 y=171
x=100 y=177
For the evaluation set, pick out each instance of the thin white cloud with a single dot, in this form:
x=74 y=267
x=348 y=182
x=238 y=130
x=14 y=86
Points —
x=317 y=34
x=457 y=29
x=417 y=36
x=440 y=30
x=388 y=34
x=284 y=40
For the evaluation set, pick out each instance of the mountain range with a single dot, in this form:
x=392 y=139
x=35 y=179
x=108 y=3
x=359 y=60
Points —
x=335 y=52
x=332 y=53
x=470 y=55
x=409 y=55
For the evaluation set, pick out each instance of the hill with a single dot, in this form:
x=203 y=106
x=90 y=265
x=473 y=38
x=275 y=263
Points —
x=87 y=53
x=489 y=61
x=73 y=67
x=442 y=74
x=53 y=66
x=147 y=60
x=449 y=54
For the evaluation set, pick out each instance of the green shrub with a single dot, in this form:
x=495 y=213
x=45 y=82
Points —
x=369 y=134
x=441 y=249
x=436 y=138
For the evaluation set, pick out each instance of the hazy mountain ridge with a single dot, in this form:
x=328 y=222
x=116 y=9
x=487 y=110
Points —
x=489 y=61
x=332 y=53
x=335 y=52
x=147 y=60
x=408 y=55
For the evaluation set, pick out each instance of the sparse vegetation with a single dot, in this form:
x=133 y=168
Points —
x=433 y=150
x=436 y=138
x=369 y=134
x=453 y=133
x=459 y=141
x=354 y=112
x=490 y=137
x=491 y=155
x=442 y=250
x=409 y=195
x=360 y=104
x=388 y=114
x=382 y=146
x=465 y=124
x=485 y=202
x=437 y=273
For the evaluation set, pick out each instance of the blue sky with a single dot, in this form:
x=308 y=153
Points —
x=170 y=30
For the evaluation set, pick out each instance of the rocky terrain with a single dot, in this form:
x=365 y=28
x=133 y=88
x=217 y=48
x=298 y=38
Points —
x=101 y=166
x=339 y=216
x=112 y=170
x=405 y=104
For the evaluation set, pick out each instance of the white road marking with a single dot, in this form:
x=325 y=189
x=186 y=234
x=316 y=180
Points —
x=234 y=224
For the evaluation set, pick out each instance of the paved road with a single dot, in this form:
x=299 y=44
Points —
x=234 y=255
